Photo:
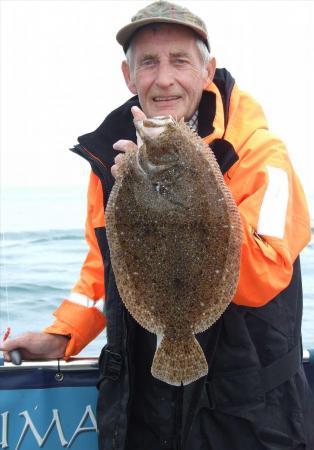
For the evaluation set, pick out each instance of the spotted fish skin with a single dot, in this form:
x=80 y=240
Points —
x=175 y=235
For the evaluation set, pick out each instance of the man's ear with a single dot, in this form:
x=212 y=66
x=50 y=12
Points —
x=127 y=77
x=210 y=71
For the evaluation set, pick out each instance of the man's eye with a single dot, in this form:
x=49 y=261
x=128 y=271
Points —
x=180 y=61
x=147 y=63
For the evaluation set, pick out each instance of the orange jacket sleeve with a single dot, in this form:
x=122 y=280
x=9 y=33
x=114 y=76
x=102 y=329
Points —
x=80 y=316
x=274 y=215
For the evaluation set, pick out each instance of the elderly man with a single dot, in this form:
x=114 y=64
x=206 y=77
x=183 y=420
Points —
x=255 y=395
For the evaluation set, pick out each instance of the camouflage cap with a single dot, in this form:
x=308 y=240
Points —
x=162 y=12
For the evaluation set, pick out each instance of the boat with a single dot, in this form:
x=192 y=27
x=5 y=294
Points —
x=51 y=405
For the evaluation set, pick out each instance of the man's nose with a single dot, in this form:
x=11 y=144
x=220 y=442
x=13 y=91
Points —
x=164 y=75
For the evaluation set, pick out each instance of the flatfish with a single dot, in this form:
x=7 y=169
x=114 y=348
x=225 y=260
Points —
x=174 y=234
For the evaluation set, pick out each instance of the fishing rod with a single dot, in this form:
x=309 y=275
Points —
x=15 y=355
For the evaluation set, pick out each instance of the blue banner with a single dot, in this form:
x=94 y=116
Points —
x=52 y=409
x=38 y=411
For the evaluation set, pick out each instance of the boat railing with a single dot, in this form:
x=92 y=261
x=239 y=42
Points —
x=74 y=363
x=90 y=363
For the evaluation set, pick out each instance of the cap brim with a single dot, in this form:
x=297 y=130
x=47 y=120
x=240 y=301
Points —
x=124 y=35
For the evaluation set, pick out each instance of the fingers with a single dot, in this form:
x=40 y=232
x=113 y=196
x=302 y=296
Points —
x=124 y=145
x=115 y=170
x=121 y=146
x=5 y=347
x=24 y=354
x=138 y=113
x=6 y=356
x=35 y=346
x=12 y=344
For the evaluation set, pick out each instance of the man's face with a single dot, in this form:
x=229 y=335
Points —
x=167 y=72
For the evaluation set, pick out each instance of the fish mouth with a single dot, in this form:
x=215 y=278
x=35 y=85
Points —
x=151 y=128
x=148 y=130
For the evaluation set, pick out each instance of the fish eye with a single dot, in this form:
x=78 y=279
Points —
x=160 y=188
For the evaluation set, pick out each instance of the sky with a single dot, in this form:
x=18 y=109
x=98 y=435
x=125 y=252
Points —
x=60 y=77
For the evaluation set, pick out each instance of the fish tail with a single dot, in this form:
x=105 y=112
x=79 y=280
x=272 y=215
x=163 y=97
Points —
x=179 y=361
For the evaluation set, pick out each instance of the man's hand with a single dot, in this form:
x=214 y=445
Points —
x=124 y=145
x=36 y=346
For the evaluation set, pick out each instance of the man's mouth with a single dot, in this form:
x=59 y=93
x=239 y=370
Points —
x=168 y=98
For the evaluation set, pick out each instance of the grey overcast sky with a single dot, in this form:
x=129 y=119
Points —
x=60 y=76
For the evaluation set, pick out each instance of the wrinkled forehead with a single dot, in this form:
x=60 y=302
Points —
x=161 y=35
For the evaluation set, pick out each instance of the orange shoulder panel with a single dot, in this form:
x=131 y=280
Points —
x=274 y=215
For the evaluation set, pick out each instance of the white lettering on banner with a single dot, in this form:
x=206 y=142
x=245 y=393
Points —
x=40 y=441
x=4 y=441
x=80 y=429
x=55 y=422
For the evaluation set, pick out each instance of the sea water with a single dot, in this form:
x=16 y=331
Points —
x=43 y=248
